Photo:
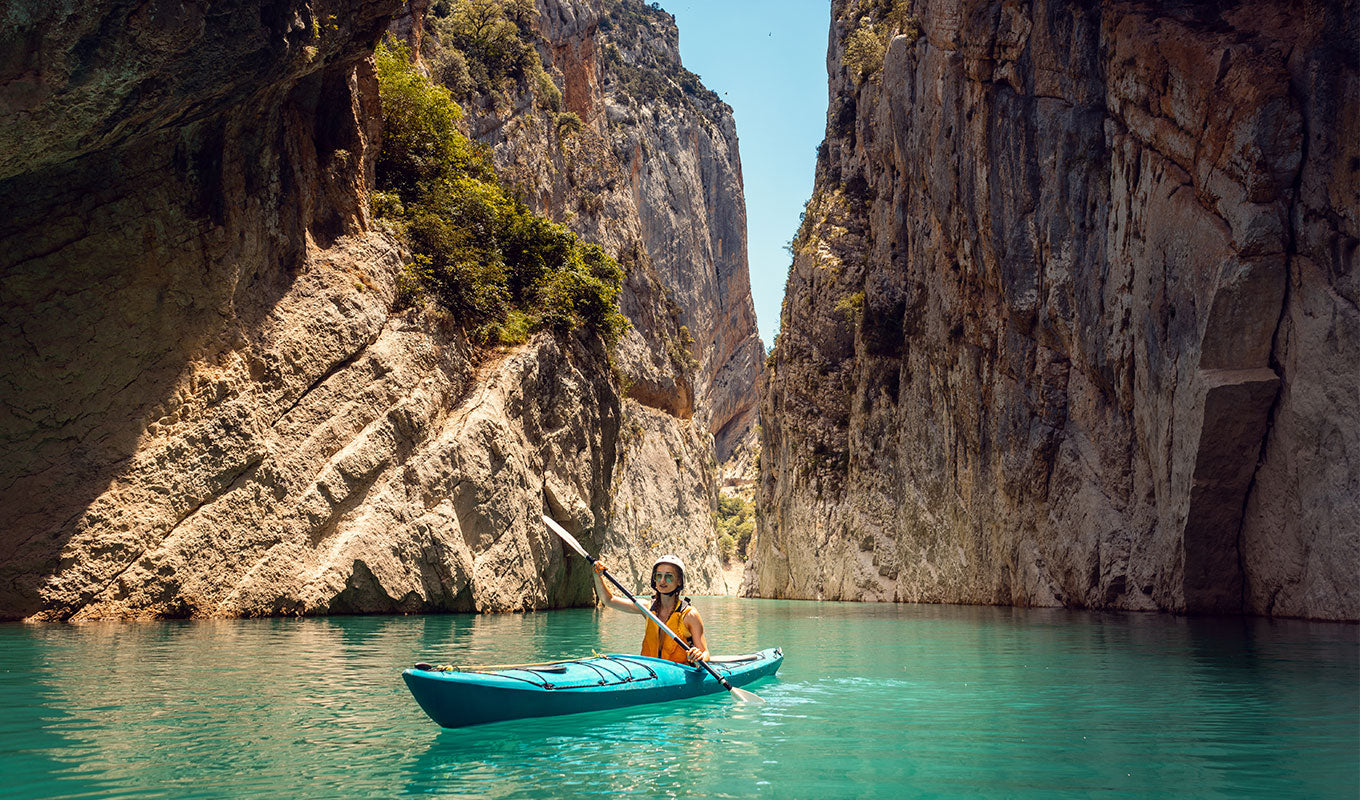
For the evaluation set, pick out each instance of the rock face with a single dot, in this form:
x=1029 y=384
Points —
x=209 y=408
x=1074 y=317
x=652 y=173
x=207 y=405
x=677 y=142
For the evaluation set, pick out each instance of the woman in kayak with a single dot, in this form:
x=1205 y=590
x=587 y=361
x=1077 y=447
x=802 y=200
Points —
x=668 y=579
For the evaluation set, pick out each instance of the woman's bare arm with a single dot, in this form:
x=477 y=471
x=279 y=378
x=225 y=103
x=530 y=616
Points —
x=607 y=597
x=699 y=652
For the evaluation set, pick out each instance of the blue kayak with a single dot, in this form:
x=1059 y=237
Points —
x=472 y=696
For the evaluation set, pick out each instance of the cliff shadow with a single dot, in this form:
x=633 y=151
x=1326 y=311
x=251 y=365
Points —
x=130 y=281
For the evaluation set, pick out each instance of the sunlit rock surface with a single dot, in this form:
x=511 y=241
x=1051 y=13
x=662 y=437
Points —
x=653 y=174
x=207 y=404
x=1075 y=317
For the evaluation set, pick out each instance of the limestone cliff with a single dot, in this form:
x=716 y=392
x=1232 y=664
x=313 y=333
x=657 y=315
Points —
x=642 y=159
x=207 y=404
x=677 y=142
x=655 y=174
x=208 y=407
x=1073 y=318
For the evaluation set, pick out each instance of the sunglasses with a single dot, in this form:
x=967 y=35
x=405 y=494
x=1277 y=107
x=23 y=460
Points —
x=658 y=577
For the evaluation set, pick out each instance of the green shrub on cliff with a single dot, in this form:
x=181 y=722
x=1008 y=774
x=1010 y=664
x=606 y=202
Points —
x=478 y=252
x=864 y=49
x=450 y=68
x=736 y=524
x=876 y=23
x=547 y=93
x=421 y=143
x=487 y=46
x=681 y=350
x=852 y=306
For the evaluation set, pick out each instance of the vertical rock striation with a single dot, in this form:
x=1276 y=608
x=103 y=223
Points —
x=1073 y=317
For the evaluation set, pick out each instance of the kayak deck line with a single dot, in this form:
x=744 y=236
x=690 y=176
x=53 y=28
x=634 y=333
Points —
x=491 y=667
x=555 y=666
x=607 y=676
x=456 y=698
x=592 y=664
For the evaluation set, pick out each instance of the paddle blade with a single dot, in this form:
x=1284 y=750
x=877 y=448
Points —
x=743 y=696
x=564 y=536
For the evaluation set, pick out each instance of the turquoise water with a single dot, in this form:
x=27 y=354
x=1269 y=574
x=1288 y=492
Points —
x=872 y=701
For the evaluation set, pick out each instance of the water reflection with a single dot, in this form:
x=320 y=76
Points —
x=666 y=751
x=36 y=734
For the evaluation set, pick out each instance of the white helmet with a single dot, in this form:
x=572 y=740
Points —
x=674 y=561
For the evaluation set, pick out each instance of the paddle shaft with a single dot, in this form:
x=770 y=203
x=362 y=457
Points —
x=657 y=620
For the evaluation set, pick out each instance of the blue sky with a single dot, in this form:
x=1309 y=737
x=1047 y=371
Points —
x=767 y=59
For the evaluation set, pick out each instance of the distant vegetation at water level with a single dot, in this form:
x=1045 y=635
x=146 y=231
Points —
x=499 y=269
x=736 y=524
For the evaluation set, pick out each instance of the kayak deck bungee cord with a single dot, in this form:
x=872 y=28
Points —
x=607 y=676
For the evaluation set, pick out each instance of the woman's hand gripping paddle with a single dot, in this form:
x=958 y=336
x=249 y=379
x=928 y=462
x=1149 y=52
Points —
x=740 y=694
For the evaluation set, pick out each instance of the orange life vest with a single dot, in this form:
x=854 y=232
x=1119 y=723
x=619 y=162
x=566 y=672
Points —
x=658 y=646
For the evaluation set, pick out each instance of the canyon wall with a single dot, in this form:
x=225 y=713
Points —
x=678 y=143
x=1074 y=317
x=208 y=406
x=652 y=173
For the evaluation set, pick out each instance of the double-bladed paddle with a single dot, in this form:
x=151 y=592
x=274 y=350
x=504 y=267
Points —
x=740 y=694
